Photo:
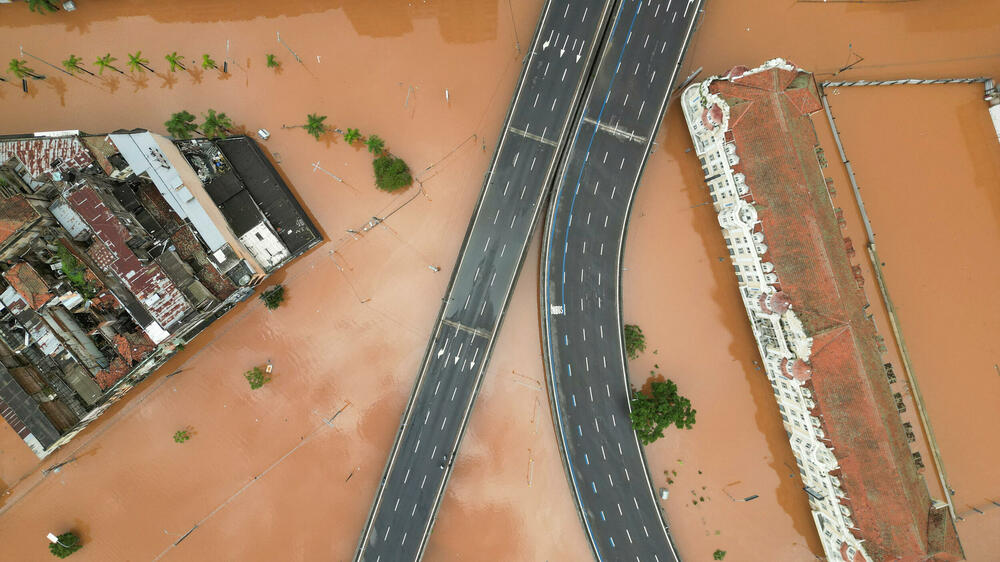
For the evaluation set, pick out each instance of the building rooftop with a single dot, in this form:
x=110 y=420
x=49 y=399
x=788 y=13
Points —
x=15 y=214
x=253 y=172
x=145 y=156
x=776 y=141
x=150 y=285
x=26 y=281
x=43 y=155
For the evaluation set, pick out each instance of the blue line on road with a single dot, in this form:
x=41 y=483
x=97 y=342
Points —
x=579 y=178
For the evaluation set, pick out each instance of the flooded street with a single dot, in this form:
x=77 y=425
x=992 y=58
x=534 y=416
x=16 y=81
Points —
x=272 y=463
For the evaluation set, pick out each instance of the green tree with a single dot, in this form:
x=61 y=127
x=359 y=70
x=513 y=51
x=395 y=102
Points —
x=175 y=61
x=635 y=341
x=375 y=145
x=208 y=62
x=136 y=63
x=391 y=173
x=272 y=62
x=216 y=124
x=20 y=68
x=72 y=65
x=719 y=554
x=315 y=126
x=273 y=297
x=42 y=6
x=75 y=272
x=256 y=377
x=351 y=135
x=181 y=436
x=181 y=125
x=66 y=544
x=663 y=407
x=105 y=62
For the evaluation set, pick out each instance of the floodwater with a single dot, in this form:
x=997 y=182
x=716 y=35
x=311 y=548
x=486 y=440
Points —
x=353 y=330
x=934 y=203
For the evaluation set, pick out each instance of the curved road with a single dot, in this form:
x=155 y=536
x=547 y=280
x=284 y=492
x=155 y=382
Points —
x=581 y=265
x=524 y=166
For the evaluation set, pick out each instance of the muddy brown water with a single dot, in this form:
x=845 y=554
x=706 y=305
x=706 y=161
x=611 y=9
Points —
x=265 y=464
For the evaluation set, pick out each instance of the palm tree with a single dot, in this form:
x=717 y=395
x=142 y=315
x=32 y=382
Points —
x=176 y=61
x=181 y=125
x=351 y=135
x=105 y=62
x=375 y=145
x=216 y=124
x=72 y=64
x=207 y=62
x=315 y=126
x=272 y=62
x=20 y=69
x=41 y=6
x=138 y=64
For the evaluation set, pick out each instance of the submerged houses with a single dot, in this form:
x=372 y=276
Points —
x=117 y=249
x=804 y=299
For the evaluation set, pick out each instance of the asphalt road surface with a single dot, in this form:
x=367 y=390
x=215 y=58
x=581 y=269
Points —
x=524 y=166
x=582 y=254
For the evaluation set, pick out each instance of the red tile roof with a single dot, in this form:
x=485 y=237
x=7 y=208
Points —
x=15 y=214
x=39 y=154
x=106 y=378
x=149 y=283
x=133 y=347
x=29 y=284
x=776 y=142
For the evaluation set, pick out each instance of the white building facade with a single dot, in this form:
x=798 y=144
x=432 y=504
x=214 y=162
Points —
x=781 y=339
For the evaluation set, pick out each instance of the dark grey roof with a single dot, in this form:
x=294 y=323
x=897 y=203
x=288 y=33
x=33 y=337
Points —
x=22 y=412
x=241 y=213
x=270 y=192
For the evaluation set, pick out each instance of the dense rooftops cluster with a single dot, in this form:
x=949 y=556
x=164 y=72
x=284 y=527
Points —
x=114 y=250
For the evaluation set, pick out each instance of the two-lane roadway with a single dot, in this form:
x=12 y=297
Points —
x=523 y=168
x=580 y=275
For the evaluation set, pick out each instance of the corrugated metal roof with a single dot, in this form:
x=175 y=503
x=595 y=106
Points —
x=44 y=155
x=144 y=155
x=148 y=283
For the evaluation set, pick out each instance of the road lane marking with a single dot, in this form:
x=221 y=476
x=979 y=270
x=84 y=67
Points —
x=586 y=458
x=402 y=541
x=593 y=486
x=629 y=536
x=615 y=424
x=602 y=516
x=586 y=360
x=434 y=452
x=636 y=502
x=523 y=189
x=397 y=505
x=417 y=447
x=620 y=507
x=454 y=391
x=603 y=454
x=427 y=416
x=488 y=238
x=591 y=391
x=574 y=399
x=407 y=477
x=579 y=430
x=515 y=159
x=445 y=420
x=495 y=219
